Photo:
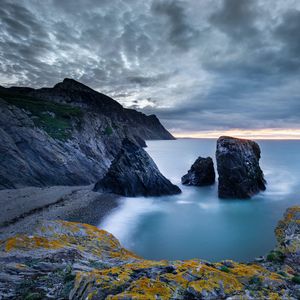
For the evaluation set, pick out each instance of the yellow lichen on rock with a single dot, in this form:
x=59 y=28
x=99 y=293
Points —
x=99 y=268
x=31 y=243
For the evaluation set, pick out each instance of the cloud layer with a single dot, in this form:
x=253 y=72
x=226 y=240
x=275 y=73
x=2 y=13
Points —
x=199 y=65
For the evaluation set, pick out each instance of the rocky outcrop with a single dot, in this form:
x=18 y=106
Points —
x=288 y=238
x=65 y=260
x=202 y=173
x=134 y=173
x=240 y=175
x=65 y=135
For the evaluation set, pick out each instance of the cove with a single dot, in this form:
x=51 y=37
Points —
x=196 y=223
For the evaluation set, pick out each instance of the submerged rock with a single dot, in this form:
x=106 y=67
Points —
x=134 y=173
x=240 y=175
x=202 y=173
x=66 y=260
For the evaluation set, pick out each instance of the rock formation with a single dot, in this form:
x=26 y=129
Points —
x=65 y=135
x=202 y=173
x=240 y=175
x=134 y=173
x=65 y=260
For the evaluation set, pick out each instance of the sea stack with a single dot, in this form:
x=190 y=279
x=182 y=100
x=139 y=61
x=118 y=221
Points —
x=240 y=175
x=133 y=173
x=201 y=173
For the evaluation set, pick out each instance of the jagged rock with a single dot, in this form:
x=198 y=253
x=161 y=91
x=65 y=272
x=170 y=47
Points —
x=202 y=173
x=240 y=175
x=65 y=135
x=134 y=173
x=288 y=237
x=66 y=260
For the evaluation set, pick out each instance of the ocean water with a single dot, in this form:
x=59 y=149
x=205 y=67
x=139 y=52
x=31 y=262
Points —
x=196 y=223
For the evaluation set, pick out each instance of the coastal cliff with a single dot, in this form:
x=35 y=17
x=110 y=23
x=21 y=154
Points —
x=65 y=135
x=65 y=260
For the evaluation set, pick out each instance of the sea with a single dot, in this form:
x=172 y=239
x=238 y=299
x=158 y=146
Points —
x=196 y=223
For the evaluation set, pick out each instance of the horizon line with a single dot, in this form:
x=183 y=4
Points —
x=258 y=134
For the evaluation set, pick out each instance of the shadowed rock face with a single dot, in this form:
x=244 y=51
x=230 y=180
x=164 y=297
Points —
x=240 y=175
x=134 y=173
x=202 y=173
x=65 y=135
x=65 y=260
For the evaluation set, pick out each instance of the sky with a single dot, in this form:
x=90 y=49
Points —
x=204 y=67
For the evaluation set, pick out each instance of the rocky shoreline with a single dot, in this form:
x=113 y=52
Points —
x=67 y=260
x=23 y=209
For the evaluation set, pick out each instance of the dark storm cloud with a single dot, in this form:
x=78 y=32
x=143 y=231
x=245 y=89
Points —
x=181 y=33
x=237 y=18
x=199 y=65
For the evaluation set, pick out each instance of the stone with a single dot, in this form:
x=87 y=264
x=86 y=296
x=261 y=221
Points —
x=134 y=173
x=202 y=173
x=240 y=175
x=67 y=260
x=65 y=135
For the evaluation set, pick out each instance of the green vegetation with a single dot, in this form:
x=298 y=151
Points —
x=55 y=118
x=108 y=130
x=275 y=256
x=225 y=269
x=296 y=279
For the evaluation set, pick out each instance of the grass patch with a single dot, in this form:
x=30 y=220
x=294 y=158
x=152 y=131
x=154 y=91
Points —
x=108 y=130
x=55 y=118
x=296 y=279
x=225 y=269
x=275 y=256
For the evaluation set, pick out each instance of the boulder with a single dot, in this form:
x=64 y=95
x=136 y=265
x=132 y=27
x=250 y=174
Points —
x=202 y=173
x=240 y=175
x=134 y=173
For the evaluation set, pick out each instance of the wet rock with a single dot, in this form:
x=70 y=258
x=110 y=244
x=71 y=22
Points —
x=134 y=173
x=202 y=173
x=240 y=175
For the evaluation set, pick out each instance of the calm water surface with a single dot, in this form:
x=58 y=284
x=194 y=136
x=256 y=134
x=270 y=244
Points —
x=196 y=224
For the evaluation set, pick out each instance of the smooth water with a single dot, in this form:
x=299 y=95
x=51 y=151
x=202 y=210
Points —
x=196 y=224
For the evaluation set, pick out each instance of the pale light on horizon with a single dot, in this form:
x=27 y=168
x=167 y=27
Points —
x=265 y=134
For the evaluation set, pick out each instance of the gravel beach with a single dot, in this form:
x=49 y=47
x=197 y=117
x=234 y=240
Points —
x=22 y=209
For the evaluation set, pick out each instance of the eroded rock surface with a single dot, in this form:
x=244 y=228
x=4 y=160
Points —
x=240 y=175
x=134 y=173
x=202 y=173
x=65 y=135
x=65 y=260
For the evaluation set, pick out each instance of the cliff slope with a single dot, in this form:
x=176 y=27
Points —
x=65 y=260
x=65 y=135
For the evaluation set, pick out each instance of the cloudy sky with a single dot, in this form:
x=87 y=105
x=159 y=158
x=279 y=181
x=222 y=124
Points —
x=209 y=65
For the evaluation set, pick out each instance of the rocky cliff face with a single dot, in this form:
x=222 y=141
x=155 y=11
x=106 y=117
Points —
x=134 y=173
x=240 y=175
x=202 y=173
x=66 y=135
x=65 y=260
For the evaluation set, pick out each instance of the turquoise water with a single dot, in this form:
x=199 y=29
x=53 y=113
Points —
x=196 y=224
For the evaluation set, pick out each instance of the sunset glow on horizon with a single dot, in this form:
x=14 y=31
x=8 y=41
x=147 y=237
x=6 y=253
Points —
x=265 y=134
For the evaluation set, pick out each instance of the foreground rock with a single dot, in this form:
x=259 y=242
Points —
x=202 y=173
x=134 y=173
x=65 y=260
x=240 y=175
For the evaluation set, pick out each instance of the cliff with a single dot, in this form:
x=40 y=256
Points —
x=64 y=260
x=65 y=135
x=134 y=173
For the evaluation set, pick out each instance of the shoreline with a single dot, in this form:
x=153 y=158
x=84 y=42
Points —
x=24 y=208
